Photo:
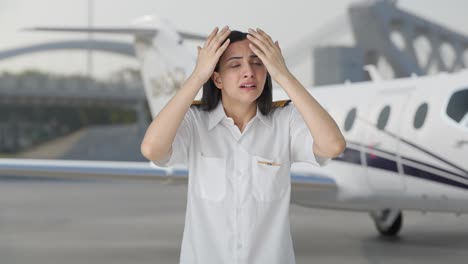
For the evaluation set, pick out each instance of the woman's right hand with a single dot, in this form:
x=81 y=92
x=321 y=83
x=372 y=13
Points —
x=209 y=55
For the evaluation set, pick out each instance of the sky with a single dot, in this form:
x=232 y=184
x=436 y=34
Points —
x=289 y=22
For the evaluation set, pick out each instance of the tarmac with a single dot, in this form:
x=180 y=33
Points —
x=50 y=221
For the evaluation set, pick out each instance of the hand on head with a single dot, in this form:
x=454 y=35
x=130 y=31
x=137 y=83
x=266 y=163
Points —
x=269 y=52
x=209 y=55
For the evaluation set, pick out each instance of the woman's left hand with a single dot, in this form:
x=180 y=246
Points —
x=269 y=53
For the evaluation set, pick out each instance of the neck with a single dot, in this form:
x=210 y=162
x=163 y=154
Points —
x=240 y=113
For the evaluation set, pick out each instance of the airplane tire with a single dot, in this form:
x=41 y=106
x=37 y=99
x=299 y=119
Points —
x=393 y=230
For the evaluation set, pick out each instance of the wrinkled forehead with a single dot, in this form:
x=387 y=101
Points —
x=236 y=50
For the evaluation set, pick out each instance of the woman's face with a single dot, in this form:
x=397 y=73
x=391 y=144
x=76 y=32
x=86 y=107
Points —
x=242 y=75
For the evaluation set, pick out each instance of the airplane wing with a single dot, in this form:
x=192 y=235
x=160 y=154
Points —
x=309 y=188
x=313 y=186
x=128 y=31
x=79 y=169
x=308 y=179
x=305 y=174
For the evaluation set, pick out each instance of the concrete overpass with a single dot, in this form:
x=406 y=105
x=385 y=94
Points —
x=32 y=90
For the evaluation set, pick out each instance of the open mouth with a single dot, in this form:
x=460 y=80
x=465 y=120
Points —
x=248 y=86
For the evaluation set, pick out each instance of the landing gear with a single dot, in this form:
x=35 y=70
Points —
x=388 y=221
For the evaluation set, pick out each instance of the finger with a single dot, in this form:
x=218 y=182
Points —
x=258 y=44
x=277 y=45
x=220 y=38
x=221 y=49
x=257 y=35
x=265 y=35
x=257 y=52
x=260 y=41
x=210 y=37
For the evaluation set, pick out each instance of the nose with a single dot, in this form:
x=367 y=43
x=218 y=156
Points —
x=248 y=71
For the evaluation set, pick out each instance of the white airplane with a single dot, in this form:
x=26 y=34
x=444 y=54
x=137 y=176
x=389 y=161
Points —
x=407 y=139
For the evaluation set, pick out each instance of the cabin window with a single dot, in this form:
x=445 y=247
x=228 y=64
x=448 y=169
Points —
x=383 y=117
x=457 y=107
x=420 y=116
x=350 y=118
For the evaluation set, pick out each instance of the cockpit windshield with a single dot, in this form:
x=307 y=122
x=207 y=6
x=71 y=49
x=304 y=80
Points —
x=457 y=108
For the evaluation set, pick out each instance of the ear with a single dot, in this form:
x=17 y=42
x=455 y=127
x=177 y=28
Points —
x=217 y=80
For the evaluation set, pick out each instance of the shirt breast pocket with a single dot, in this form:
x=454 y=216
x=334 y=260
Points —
x=210 y=177
x=268 y=183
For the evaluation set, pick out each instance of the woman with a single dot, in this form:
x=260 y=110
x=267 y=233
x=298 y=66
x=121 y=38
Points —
x=239 y=148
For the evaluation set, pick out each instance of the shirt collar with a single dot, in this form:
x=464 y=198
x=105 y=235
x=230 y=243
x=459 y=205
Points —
x=218 y=114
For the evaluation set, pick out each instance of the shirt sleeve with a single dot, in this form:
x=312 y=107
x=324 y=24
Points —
x=301 y=141
x=180 y=145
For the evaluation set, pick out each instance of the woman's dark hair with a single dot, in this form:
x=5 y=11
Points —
x=211 y=94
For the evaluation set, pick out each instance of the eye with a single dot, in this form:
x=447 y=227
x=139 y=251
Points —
x=234 y=66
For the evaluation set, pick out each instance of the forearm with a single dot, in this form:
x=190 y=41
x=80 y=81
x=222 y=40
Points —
x=160 y=134
x=328 y=140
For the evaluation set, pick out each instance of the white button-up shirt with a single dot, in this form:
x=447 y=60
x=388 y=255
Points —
x=239 y=184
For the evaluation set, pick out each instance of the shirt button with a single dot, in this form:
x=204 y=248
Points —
x=239 y=172
x=239 y=245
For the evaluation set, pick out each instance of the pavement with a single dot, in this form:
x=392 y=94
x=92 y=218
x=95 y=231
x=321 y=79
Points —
x=51 y=221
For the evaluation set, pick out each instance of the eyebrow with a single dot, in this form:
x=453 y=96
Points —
x=233 y=58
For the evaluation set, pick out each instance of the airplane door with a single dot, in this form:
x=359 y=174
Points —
x=386 y=112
